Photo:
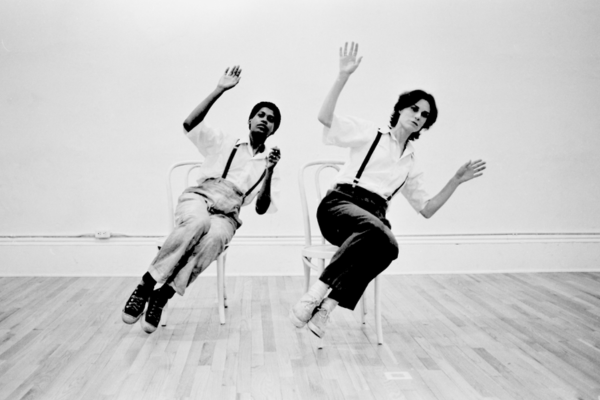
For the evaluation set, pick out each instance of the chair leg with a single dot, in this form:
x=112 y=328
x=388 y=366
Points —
x=306 y=277
x=378 y=312
x=224 y=280
x=363 y=310
x=221 y=287
x=165 y=315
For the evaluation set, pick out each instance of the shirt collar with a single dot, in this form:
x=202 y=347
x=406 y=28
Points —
x=408 y=150
x=246 y=143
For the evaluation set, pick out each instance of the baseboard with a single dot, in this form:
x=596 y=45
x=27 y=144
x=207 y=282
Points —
x=296 y=240
x=280 y=255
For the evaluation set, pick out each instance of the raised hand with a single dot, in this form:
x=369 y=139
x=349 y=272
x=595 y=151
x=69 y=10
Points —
x=470 y=170
x=230 y=78
x=348 y=60
x=273 y=157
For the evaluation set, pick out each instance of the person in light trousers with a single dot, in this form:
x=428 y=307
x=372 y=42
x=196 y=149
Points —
x=235 y=171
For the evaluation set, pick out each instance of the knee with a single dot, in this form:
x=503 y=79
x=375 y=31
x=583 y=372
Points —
x=393 y=250
x=389 y=245
x=197 y=226
x=385 y=242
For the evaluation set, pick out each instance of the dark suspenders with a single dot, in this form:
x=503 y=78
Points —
x=226 y=171
x=228 y=165
x=366 y=161
x=256 y=184
x=396 y=191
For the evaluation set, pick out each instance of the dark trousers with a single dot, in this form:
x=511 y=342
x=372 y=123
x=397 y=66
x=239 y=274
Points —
x=354 y=220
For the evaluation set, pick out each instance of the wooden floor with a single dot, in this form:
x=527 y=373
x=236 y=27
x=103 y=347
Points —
x=496 y=336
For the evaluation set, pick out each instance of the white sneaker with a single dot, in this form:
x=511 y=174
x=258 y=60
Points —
x=303 y=310
x=318 y=322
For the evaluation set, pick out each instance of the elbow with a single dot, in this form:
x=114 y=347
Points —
x=325 y=121
x=428 y=210
x=260 y=210
x=261 y=206
x=427 y=213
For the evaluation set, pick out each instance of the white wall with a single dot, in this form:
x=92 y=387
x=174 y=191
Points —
x=93 y=94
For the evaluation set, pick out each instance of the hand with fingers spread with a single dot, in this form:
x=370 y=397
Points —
x=465 y=173
x=230 y=78
x=469 y=171
x=348 y=59
x=348 y=64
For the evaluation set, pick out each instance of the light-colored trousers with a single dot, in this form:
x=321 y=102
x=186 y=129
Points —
x=206 y=218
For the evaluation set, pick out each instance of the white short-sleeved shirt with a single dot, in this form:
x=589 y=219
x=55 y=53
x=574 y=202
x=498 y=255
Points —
x=386 y=169
x=246 y=168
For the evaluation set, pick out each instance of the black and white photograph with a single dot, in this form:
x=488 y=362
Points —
x=311 y=200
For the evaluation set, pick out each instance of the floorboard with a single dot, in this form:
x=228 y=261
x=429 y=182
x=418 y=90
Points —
x=447 y=337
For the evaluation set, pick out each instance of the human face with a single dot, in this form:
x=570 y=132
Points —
x=414 y=117
x=262 y=124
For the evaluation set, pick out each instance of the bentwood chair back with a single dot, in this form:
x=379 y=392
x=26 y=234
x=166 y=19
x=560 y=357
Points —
x=317 y=252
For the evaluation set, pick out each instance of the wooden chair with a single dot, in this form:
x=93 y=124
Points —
x=314 y=256
x=187 y=167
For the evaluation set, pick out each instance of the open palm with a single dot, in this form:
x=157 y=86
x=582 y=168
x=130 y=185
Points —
x=230 y=78
x=349 y=60
x=470 y=170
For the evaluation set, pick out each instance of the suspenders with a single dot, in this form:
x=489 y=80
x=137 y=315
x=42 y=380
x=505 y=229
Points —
x=366 y=161
x=226 y=171
x=230 y=159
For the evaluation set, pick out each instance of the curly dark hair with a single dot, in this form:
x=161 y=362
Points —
x=270 y=106
x=411 y=98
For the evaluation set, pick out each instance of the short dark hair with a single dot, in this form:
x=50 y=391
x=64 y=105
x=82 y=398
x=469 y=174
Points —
x=270 y=106
x=411 y=98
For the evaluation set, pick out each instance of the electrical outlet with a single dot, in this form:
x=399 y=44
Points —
x=102 y=235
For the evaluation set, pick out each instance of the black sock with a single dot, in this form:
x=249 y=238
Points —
x=166 y=291
x=148 y=282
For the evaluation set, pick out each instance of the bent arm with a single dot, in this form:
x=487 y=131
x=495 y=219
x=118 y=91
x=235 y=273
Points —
x=466 y=172
x=327 y=109
x=263 y=199
x=227 y=81
x=198 y=114
x=436 y=202
x=348 y=64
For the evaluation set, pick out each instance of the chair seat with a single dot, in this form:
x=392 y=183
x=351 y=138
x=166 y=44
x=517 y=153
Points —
x=325 y=251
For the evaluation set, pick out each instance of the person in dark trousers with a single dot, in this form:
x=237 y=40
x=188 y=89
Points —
x=352 y=215
x=234 y=172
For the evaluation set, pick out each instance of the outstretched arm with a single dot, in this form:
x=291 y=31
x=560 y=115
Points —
x=230 y=78
x=348 y=64
x=263 y=199
x=465 y=173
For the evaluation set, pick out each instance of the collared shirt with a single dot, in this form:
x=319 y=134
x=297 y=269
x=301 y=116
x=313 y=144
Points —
x=246 y=168
x=388 y=167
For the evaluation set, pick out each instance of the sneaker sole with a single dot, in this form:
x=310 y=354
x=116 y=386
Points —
x=298 y=323
x=130 y=319
x=146 y=327
x=318 y=332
